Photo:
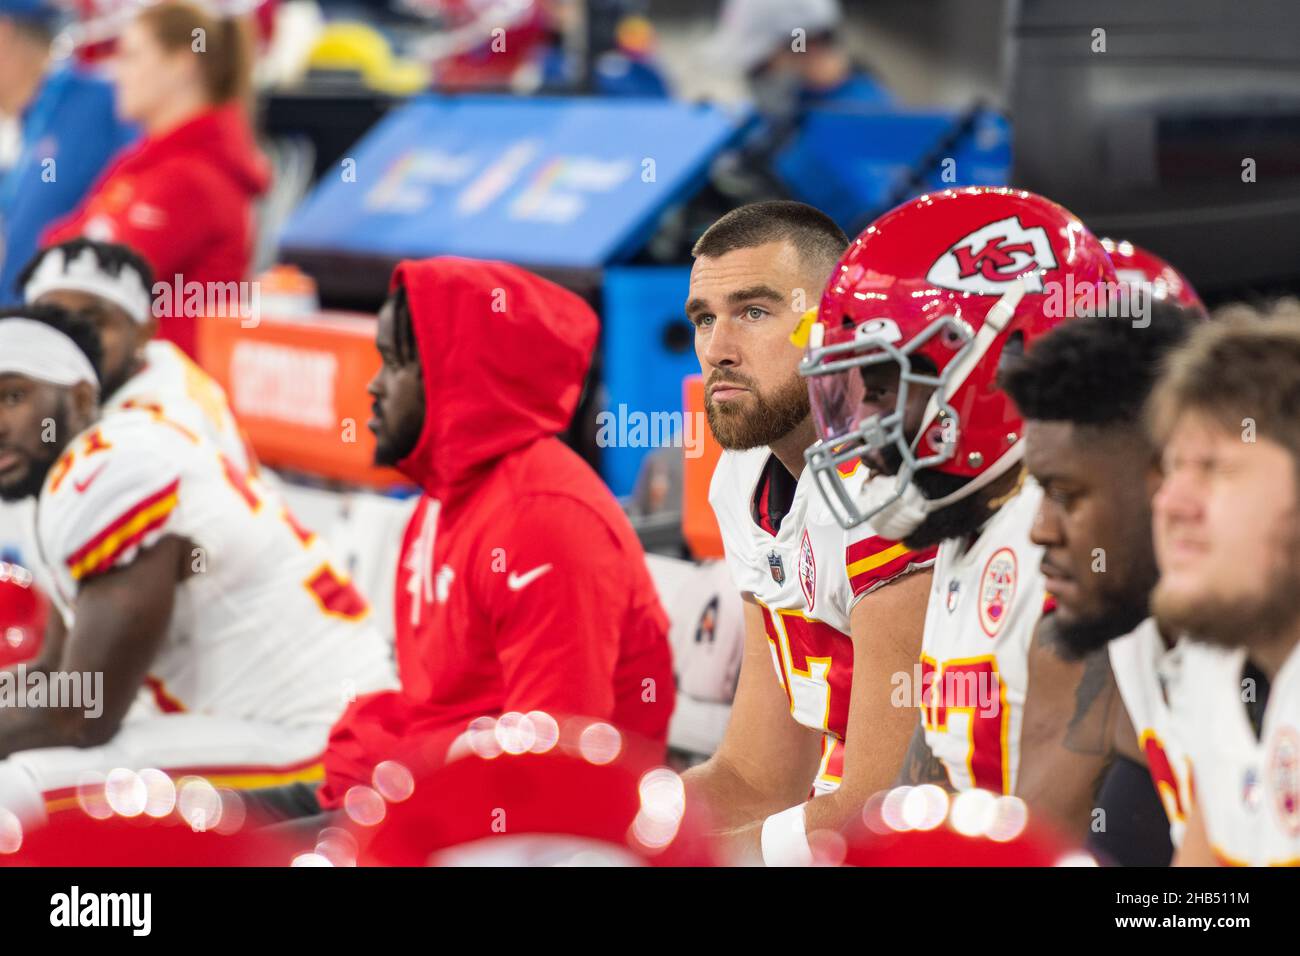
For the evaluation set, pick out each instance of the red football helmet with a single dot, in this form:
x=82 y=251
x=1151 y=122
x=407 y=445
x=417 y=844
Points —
x=533 y=791
x=1139 y=268
x=23 y=613
x=952 y=277
x=926 y=826
x=74 y=839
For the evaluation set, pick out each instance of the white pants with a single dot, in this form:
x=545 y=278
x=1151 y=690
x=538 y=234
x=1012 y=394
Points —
x=232 y=753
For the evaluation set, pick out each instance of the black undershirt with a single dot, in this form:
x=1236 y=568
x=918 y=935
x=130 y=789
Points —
x=773 y=497
x=1255 y=708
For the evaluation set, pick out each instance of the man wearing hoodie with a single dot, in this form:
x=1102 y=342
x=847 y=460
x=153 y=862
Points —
x=521 y=586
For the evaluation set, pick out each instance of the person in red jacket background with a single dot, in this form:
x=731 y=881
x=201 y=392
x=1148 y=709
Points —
x=183 y=196
x=521 y=585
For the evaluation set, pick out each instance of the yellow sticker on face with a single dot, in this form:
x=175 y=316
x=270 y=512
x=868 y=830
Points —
x=799 y=337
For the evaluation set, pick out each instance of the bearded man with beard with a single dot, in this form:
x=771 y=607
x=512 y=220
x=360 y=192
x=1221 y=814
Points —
x=839 y=613
x=1227 y=539
x=1092 y=740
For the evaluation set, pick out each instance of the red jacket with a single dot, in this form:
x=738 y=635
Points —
x=521 y=585
x=184 y=201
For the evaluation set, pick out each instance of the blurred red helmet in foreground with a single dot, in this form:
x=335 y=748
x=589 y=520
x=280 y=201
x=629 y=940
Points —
x=927 y=826
x=197 y=825
x=529 y=792
x=23 y=613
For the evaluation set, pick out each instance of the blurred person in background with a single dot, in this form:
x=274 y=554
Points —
x=211 y=632
x=1227 y=539
x=182 y=197
x=791 y=55
x=46 y=109
x=108 y=285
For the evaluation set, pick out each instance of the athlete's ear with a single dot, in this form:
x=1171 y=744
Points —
x=145 y=331
x=85 y=401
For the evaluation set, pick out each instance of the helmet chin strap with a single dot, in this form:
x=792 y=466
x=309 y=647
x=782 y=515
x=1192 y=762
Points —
x=1013 y=456
x=902 y=510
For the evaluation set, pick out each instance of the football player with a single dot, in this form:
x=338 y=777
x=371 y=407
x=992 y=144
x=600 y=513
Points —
x=109 y=285
x=1082 y=390
x=902 y=365
x=1227 y=537
x=837 y=614
x=219 y=635
x=1152 y=280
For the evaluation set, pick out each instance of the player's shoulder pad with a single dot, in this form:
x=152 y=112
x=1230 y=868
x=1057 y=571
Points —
x=871 y=561
x=111 y=492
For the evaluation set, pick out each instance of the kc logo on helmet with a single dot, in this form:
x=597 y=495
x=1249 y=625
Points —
x=989 y=259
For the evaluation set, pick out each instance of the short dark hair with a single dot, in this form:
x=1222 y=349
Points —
x=813 y=233
x=1095 y=370
x=82 y=331
x=36 y=27
x=112 y=257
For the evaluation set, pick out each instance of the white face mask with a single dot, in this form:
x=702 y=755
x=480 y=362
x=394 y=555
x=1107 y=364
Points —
x=899 y=514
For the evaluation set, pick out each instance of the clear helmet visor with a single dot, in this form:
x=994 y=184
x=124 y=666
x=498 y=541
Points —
x=849 y=427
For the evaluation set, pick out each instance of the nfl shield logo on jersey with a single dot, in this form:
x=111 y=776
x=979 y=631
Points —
x=776 y=567
x=807 y=570
x=954 y=592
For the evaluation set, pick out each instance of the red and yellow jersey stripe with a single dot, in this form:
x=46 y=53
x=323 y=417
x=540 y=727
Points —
x=102 y=551
x=876 y=560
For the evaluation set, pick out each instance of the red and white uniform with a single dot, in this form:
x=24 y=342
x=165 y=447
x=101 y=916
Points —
x=1246 y=788
x=985 y=602
x=172 y=387
x=1140 y=661
x=807 y=575
x=267 y=641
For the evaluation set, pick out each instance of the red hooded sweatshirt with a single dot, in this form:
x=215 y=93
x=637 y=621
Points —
x=521 y=585
x=184 y=201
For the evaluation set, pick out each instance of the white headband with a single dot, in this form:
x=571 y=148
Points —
x=42 y=352
x=84 y=274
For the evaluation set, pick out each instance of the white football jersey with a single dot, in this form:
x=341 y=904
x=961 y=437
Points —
x=806 y=574
x=266 y=627
x=1246 y=788
x=706 y=625
x=172 y=387
x=985 y=601
x=1140 y=661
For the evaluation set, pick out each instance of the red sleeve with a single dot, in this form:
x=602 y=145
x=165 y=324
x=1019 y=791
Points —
x=558 y=588
x=386 y=725
x=161 y=222
x=873 y=562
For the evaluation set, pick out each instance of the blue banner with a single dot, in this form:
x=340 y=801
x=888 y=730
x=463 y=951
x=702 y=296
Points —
x=561 y=182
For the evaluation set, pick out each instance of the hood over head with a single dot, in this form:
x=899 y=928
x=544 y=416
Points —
x=504 y=354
